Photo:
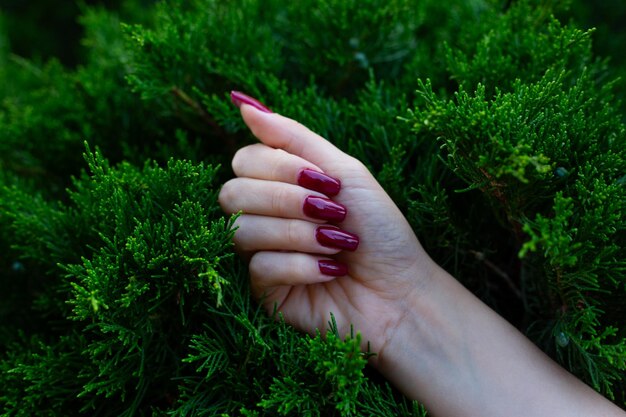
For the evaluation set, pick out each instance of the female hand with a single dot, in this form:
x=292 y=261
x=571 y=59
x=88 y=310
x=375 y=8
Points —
x=281 y=232
x=434 y=340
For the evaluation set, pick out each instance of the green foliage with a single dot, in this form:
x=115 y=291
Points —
x=521 y=44
x=153 y=248
x=47 y=111
x=546 y=151
x=338 y=365
x=42 y=379
x=121 y=293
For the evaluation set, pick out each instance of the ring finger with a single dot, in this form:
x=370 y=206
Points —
x=260 y=233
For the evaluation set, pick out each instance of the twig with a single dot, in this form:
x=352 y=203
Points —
x=499 y=272
x=206 y=117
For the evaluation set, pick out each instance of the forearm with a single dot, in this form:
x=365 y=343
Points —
x=459 y=358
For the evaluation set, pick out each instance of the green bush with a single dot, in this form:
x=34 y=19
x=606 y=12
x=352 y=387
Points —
x=495 y=127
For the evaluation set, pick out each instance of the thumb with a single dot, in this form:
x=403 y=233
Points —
x=284 y=133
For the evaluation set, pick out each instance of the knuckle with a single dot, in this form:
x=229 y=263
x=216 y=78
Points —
x=239 y=160
x=353 y=166
x=355 y=163
x=226 y=196
x=278 y=165
x=240 y=239
x=294 y=142
x=258 y=275
x=278 y=201
x=293 y=234
x=236 y=162
x=257 y=265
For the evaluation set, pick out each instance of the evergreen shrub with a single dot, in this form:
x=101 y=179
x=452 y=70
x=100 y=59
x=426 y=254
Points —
x=494 y=126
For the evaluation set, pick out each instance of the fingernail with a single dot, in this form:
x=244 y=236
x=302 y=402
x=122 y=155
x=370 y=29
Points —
x=317 y=181
x=333 y=237
x=324 y=209
x=332 y=268
x=238 y=98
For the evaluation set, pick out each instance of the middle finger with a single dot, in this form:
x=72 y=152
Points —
x=276 y=199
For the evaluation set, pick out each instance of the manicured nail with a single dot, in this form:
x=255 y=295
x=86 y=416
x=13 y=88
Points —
x=317 y=181
x=333 y=237
x=324 y=209
x=238 y=98
x=332 y=268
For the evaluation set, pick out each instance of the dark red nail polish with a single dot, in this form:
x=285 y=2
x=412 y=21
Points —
x=333 y=237
x=317 y=181
x=238 y=98
x=332 y=268
x=324 y=209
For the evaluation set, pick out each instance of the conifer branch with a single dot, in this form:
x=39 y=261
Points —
x=499 y=272
x=206 y=117
x=122 y=296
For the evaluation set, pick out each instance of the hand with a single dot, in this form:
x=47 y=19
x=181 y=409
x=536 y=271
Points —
x=281 y=237
x=434 y=340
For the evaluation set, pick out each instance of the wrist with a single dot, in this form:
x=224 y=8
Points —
x=457 y=357
x=417 y=316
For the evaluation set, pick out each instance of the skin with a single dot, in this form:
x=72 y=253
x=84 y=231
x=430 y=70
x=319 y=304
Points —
x=432 y=338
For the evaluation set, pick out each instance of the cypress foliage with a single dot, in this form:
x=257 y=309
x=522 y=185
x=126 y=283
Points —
x=496 y=129
x=546 y=151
